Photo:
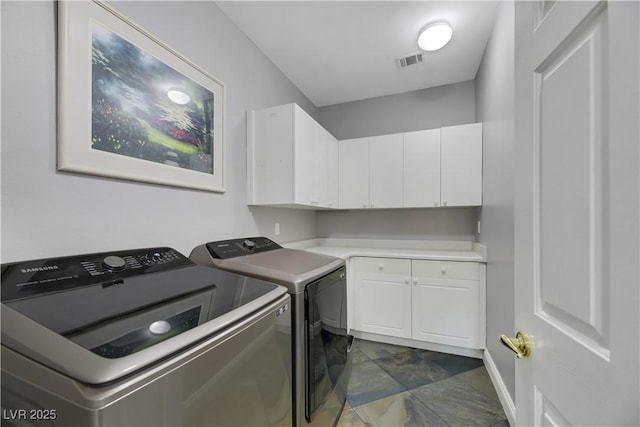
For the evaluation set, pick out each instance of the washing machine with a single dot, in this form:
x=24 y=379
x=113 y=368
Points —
x=142 y=337
x=320 y=343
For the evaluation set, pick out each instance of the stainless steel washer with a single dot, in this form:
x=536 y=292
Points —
x=142 y=338
x=321 y=345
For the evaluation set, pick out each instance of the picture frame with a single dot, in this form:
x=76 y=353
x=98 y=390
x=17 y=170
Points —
x=131 y=107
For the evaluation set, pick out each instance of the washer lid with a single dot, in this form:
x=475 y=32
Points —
x=99 y=330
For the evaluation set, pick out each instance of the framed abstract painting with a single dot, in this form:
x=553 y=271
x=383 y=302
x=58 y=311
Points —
x=131 y=107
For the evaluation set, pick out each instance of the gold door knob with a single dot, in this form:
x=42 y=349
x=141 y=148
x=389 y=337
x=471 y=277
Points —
x=520 y=345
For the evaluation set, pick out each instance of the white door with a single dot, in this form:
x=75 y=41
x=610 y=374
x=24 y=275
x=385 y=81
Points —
x=320 y=158
x=422 y=168
x=333 y=183
x=304 y=149
x=382 y=297
x=446 y=302
x=577 y=212
x=354 y=173
x=385 y=174
x=461 y=165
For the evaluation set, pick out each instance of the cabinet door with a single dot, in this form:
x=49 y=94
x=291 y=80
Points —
x=320 y=157
x=382 y=296
x=422 y=168
x=354 y=173
x=270 y=162
x=304 y=151
x=446 y=303
x=385 y=173
x=333 y=182
x=461 y=165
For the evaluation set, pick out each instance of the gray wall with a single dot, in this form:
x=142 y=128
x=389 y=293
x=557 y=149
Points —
x=47 y=213
x=405 y=224
x=423 y=109
x=494 y=107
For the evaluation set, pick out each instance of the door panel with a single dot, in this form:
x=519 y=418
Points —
x=461 y=165
x=379 y=307
x=320 y=169
x=446 y=311
x=386 y=171
x=382 y=298
x=354 y=173
x=333 y=184
x=577 y=209
x=422 y=168
x=303 y=154
x=569 y=94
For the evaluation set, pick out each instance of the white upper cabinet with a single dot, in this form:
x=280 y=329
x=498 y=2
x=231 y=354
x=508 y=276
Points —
x=354 y=173
x=461 y=165
x=292 y=161
x=333 y=185
x=320 y=168
x=422 y=168
x=385 y=171
x=305 y=150
x=429 y=168
x=443 y=167
x=371 y=172
x=288 y=159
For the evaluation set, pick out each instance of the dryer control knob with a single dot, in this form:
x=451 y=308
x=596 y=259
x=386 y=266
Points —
x=114 y=263
x=249 y=244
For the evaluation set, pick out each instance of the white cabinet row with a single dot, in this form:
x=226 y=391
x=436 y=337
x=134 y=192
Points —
x=429 y=168
x=292 y=161
x=439 y=302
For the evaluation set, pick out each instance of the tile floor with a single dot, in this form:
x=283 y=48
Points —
x=394 y=386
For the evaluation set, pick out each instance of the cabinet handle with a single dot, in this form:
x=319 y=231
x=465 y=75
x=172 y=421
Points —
x=443 y=270
x=444 y=203
x=371 y=205
x=364 y=206
x=415 y=282
x=381 y=267
x=435 y=203
x=406 y=281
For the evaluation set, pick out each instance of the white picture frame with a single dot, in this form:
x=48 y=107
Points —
x=131 y=107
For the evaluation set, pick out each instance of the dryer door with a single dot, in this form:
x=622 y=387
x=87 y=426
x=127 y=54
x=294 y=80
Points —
x=327 y=344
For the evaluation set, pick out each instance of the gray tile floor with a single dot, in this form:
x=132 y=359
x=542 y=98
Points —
x=394 y=386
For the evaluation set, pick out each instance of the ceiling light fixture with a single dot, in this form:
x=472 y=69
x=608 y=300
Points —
x=435 y=36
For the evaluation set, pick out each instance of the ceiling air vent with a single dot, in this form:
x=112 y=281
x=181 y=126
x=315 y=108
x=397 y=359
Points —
x=407 y=61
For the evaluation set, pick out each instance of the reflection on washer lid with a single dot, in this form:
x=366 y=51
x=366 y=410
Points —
x=137 y=315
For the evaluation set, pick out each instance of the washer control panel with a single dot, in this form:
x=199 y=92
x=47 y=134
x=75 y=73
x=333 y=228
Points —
x=31 y=278
x=239 y=247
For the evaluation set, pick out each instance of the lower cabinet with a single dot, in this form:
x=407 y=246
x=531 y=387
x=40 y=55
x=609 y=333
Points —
x=382 y=299
x=440 y=302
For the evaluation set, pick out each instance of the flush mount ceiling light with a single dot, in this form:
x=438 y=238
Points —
x=178 y=97
x=434 y=36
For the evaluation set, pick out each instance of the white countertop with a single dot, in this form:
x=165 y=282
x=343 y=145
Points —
x=414 y=249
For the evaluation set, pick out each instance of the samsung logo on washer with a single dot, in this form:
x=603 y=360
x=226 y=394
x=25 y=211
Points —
x=36 y=269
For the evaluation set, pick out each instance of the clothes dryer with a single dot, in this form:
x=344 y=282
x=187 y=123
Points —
x=320 y=342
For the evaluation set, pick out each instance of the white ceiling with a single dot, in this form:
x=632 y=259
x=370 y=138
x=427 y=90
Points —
x=341 y=51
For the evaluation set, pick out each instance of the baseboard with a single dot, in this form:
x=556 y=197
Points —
x=508 y=405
